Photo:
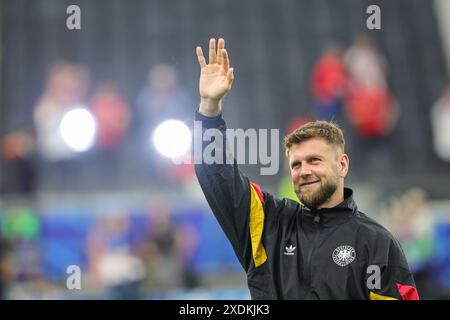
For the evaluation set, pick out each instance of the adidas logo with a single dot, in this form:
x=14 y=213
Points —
x=289 y=250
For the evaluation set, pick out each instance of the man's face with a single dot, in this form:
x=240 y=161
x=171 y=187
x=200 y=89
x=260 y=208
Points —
x=317 y=171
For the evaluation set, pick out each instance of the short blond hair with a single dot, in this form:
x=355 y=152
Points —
x=329 y=131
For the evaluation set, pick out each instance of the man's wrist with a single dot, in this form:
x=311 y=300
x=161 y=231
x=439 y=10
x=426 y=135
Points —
x=210 y=107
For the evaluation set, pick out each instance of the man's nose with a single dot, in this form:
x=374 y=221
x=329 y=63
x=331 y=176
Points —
x=305 y=170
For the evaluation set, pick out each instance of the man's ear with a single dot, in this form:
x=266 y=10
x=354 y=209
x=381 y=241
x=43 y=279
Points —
x=344 y=162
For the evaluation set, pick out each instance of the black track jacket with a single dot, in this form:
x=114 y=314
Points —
x=290 y=251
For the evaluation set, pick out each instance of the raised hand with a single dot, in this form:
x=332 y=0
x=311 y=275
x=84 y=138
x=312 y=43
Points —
x=216 y=77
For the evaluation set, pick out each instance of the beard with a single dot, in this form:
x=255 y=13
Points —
x=318 y=197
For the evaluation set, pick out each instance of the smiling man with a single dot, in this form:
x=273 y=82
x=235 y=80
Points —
x=321 y=248
x=318 y=163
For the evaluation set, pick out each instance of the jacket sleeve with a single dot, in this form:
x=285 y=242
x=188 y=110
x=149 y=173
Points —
x=396 y=280
x=237 y=203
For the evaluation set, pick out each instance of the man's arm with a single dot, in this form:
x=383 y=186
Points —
x=237 y=203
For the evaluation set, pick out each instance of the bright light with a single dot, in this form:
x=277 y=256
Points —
x=77 y=129
x=172 y=138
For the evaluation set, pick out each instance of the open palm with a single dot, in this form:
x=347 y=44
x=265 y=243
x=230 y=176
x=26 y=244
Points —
x=216 y=78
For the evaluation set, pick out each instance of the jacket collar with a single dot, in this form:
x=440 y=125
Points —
x=342 y=211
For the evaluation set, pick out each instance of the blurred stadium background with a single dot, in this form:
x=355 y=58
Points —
x=81 y=182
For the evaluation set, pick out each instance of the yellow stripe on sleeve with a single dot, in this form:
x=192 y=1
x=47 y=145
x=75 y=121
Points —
x=256 y=228
x=374 y=296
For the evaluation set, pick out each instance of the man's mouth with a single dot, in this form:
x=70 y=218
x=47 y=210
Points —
x=308 y=183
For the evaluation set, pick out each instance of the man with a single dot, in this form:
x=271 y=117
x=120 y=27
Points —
x=323 y=248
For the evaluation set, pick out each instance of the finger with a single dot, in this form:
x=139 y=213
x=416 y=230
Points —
x=230 y=77
x=221 y=46
x=200 y=57
x=212 y=51
x=219 y=56
x=225 y=60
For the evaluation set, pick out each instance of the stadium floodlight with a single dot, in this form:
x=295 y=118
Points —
x=172 y=138
x=78 y=128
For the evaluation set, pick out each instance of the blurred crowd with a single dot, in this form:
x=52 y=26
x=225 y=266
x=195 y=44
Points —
x=47 y=148
x=353 y=83
x=121 y=255
x=350 y=86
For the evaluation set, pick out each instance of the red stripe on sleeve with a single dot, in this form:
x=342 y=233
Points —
x=407 y=292
x=258 y=191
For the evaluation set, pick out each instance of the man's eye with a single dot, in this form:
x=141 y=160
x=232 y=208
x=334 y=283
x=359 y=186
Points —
x=315 y=160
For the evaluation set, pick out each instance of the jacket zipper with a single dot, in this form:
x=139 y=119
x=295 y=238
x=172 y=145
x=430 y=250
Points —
x=308 y=261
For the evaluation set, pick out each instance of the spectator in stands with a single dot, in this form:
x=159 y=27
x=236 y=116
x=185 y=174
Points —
x=162 y=98
x=329 y=84
x=21 y=228
x=113 y=115
x=18 y=149
x=113 y=264
x=188 y=235
x=366 y=66
x=7 y=273
x=66 y=87
x=161 y=249
x=440 y=120
x=371 y=108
